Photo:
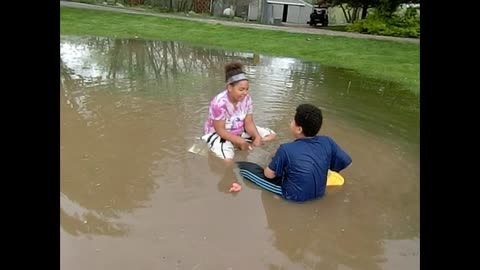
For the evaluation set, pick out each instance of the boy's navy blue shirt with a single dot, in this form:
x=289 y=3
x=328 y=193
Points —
x=303 y=166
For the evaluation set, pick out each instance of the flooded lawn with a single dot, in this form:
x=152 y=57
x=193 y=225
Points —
x=133 y=197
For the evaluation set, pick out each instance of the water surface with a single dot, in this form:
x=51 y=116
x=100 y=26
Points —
x=132 y=197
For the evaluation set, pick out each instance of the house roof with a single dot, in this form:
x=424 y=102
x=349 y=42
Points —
x=287 y=2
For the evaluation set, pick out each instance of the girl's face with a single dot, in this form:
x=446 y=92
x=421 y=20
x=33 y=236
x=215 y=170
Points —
x=238 y=91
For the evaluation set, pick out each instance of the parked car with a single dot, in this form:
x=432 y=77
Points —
x=318 y=16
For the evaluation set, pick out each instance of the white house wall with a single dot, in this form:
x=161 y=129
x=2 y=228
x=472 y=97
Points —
x=293 y=13
x=277 y=11
x=253 y=11
x=305 y=14
x=299 y=15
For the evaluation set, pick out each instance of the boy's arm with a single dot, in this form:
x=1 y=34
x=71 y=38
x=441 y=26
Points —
x=340 y=159
x=277 y=165
x=269 y=173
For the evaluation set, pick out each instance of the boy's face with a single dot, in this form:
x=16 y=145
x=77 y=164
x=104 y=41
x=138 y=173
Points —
x=296 y=130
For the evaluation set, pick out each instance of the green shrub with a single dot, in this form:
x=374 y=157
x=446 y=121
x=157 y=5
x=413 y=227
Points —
x=406 y=25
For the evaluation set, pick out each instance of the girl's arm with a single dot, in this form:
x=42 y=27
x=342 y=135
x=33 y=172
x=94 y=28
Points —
x=219 y=126
x=251 y=128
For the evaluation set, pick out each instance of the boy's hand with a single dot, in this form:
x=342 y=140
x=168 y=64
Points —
x=235 y=187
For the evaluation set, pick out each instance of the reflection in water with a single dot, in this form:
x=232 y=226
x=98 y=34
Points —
x=77 y=220
x=131 y=108
x=160 y=67
x=315 y=237
x=322 y=236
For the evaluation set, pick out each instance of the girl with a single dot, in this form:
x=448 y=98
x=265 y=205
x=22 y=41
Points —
x=230 y=118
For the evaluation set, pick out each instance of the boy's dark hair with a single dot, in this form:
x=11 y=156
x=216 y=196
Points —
x=232 y=69
x=310 y=118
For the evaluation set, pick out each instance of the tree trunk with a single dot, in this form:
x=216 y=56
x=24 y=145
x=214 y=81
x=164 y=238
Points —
x=364 y=11
x=174 y=58
x=354 y=14
x=346 y=14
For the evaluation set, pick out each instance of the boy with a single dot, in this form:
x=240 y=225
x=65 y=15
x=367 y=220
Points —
x=298 y=171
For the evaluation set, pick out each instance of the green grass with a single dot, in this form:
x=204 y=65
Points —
x=341 y=28
x=388 y=60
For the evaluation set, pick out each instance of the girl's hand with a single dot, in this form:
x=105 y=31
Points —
x=245 y=146
x=257 y=141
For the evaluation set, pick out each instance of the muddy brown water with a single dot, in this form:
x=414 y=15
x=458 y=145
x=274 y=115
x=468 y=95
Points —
x=133 y=197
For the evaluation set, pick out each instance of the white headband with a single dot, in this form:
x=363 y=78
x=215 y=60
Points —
x=236 y=78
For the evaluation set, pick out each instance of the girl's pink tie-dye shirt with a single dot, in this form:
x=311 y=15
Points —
x=222 y=109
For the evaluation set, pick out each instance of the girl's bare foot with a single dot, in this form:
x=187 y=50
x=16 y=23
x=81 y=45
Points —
x=269 y=137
